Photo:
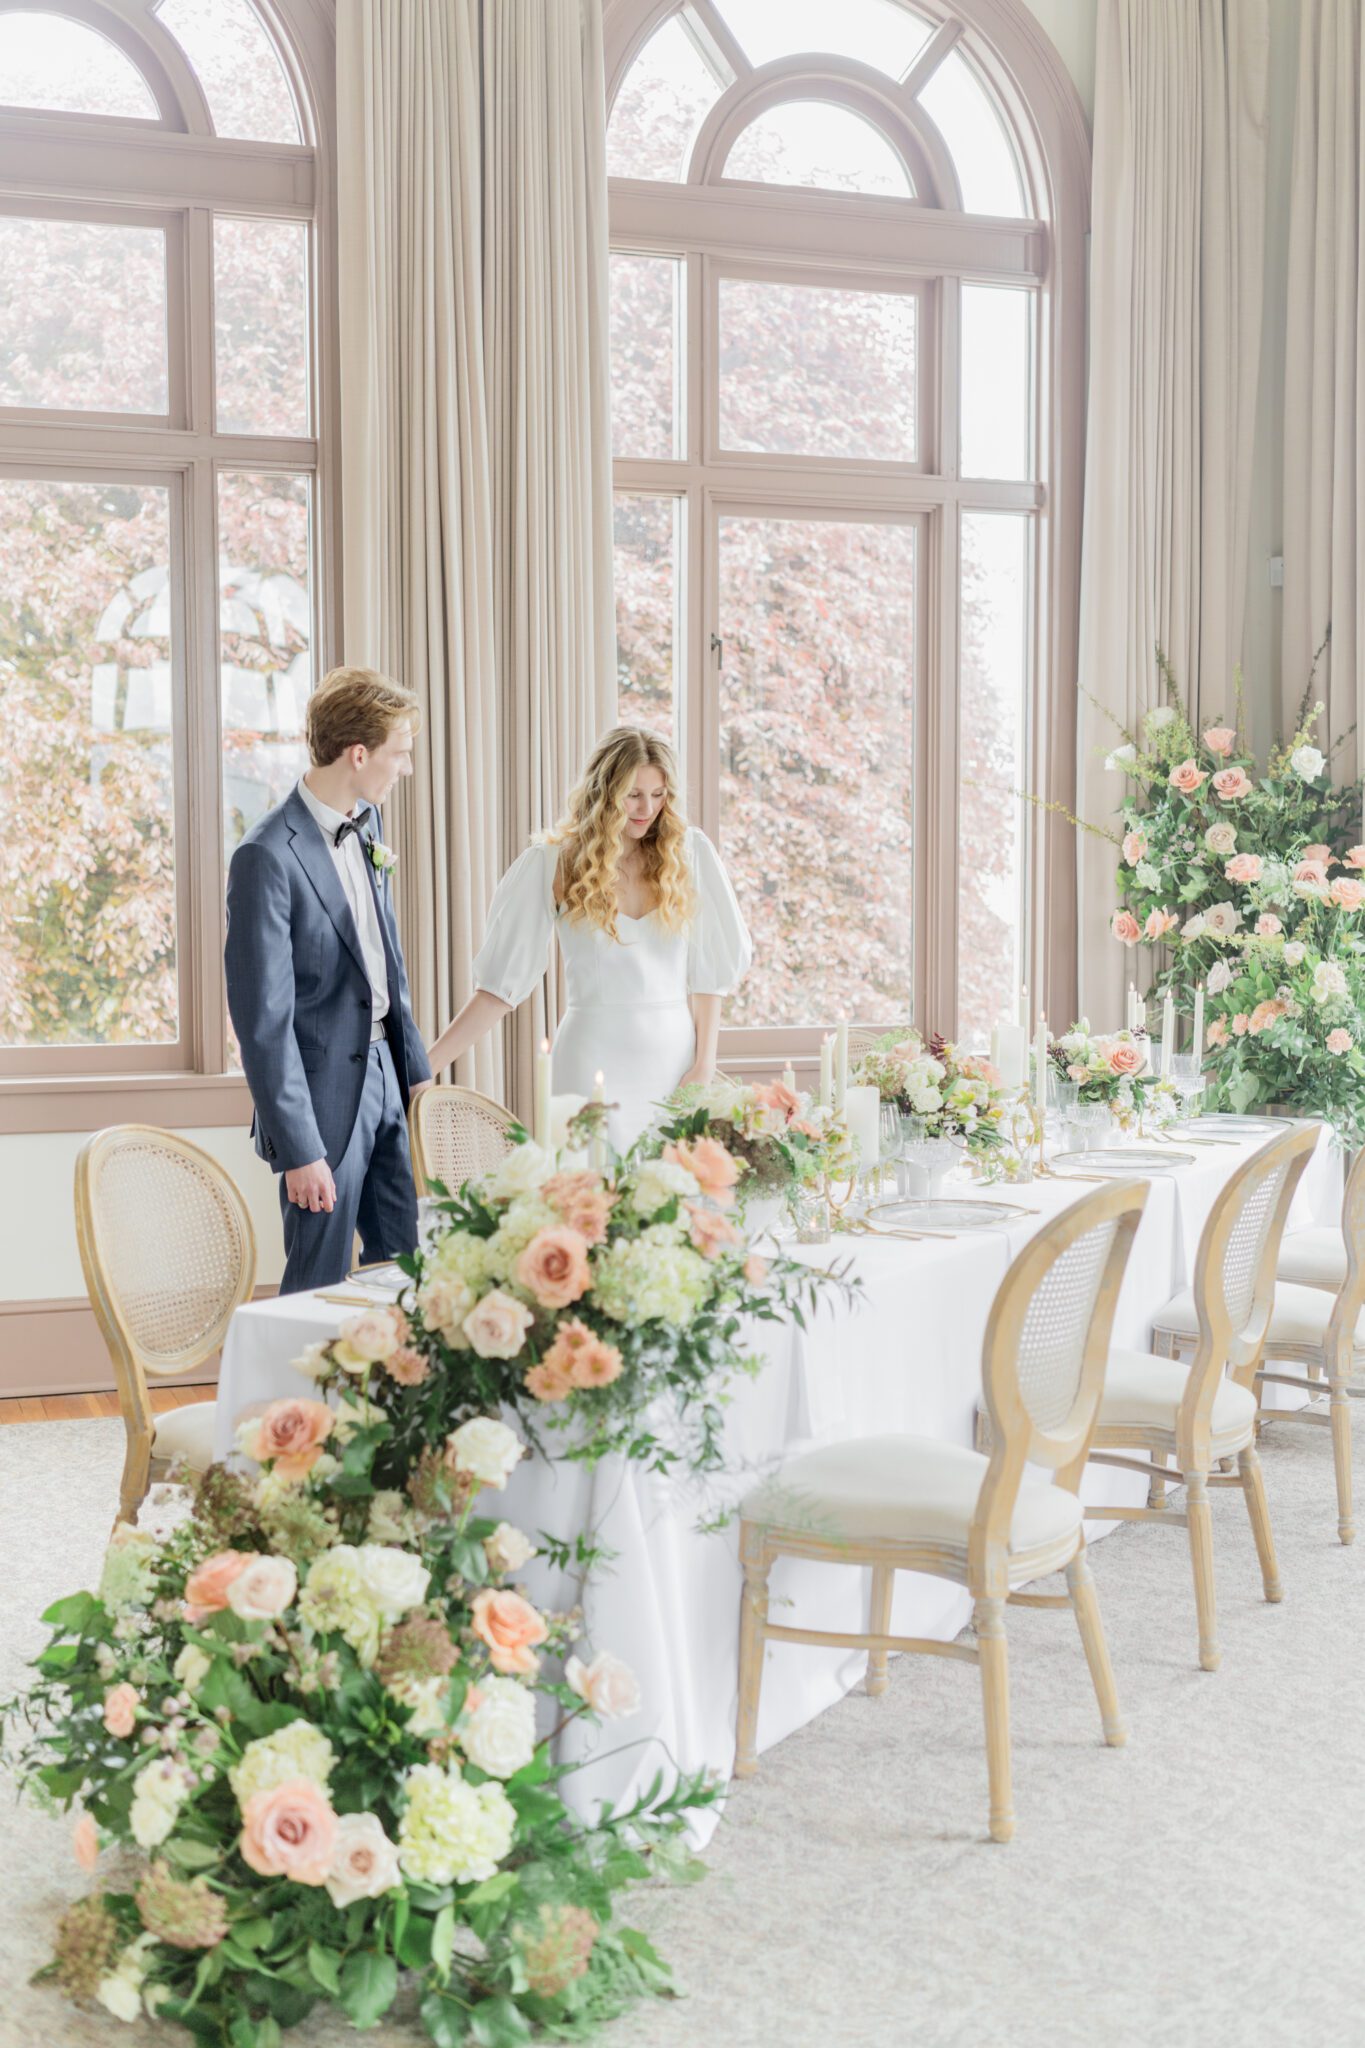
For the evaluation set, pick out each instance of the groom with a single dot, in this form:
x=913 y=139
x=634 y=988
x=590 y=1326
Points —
x=317 y=989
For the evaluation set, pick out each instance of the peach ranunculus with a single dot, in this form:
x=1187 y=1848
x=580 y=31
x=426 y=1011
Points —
x=1244 y=867
x=1126 y=1058
x=290 y=1433
x=1339 y=1040
x=1219 y=739
x=755 y=1269
x=1126 y=927
x=1264 y=1015
x=1239 y=1024
x=713 y=1168
x=1268 y=926
x=1134 y=847
x=1356 y=857
x=1187 y=777
x=497 y=1326
x=1310 y=871
x=777 y=1095
x=577 y=1358
x=583 y=1202
x=1322 y=854
x=289 y=1830
x=1217 y=1033
x=120 y=1709
x=554 y=1267
x=1231 y=783
x=1159 y=922
x=511 y=1627
x=547 y=1380
x=709 y=1231
x=206 y=1588
x=1348 y=893
x=407 y=1366
x=85 y=1842
x=263 y=1588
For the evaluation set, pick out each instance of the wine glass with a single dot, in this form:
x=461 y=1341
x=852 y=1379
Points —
x=1187 y=1078
x=889 y=1140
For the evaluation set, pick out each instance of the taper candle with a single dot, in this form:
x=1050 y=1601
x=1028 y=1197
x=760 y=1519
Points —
x=1199 y=1024
x=840 y=1065
x=826 y=1071
x=1167 y=1034
x=1040 y=1069
x=540 y=1114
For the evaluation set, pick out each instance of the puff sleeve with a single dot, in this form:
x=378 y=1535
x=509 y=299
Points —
x=516 y=939
x=718 y=947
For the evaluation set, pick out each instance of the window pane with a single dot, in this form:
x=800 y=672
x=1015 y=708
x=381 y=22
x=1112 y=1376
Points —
x=817 y=620
x=994 y=673
x=87 y=940
x=82 y=316
x=961 y=109
x=996 y=322
x=648 y=533
x=48 y=61
x=265 y=624
x=666 y=95
x=242 y=77
x=260 y=318
x=877 y=32
x=812 y=142
x=810 y=370
x=644 y=355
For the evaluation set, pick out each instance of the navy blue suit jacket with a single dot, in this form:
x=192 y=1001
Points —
x=298 y=991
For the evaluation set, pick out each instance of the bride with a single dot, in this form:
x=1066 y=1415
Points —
x=651 y=936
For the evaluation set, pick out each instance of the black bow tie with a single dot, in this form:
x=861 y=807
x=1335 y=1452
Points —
x=356 y=825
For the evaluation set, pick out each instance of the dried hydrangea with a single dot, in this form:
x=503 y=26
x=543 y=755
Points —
x=436 y=1489
x=224 y=1507
x=299 y=1527
x=417 y=1649
x=557 y=1948
x=183 y=1912
x=87 y=1941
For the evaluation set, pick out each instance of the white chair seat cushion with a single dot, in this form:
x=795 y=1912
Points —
x=186 y=1433
x=1143 y=1392
x=1314 y=1258
x=906 y=1489
x=1300 y=1316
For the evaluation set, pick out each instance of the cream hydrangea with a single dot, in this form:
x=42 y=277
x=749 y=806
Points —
x=298 y=1750
x=520 y=1223
x=459 y=1255
x=651 y=1277
x=160 y=1789
x=336 y=1600
x=453 y=1832
x=128 y=1578
x=659 y=1182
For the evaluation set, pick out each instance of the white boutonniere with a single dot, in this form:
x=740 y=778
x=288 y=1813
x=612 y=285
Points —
x=382 y=858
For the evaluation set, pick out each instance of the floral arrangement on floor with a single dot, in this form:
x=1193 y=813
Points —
x=1110 y=1068
x=305 y=1721
x=782 y=1139
x=958 y=1094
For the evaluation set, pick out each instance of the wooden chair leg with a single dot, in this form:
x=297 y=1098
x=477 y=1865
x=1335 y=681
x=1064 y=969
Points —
x=753 y=1616
x=1081 y=1586
x=1156 y=1488
x=137 y=1462
x=1341 y=1457
x=995 y=1700
x=1201 y=1557
x=1253 y=1486
x=883 y=1585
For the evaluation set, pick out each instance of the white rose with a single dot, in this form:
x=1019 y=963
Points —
x=610 y=1687
x=1220 y=977
x=1193 y=928
x=1329 y=981
x=263 y=1589
x=658 y=1183
x=192 y=1667
x=120 y=1993
x=313 y=1363
x=500 y=1735
x=485 y=1448
x=364 y=1861
x=395 y=1579
x=1221 y=839
x=525 y=1169
x=508 y=1548
x=1121 y=759
x=1160 y=717
x=1307 y=762
x=1222 y=919
x=1295 y=953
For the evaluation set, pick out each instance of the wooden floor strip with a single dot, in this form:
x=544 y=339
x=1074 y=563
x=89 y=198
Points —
x=90 y=1407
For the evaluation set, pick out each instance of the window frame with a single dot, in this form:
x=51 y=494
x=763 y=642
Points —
x=176 y=173
x=856 y=241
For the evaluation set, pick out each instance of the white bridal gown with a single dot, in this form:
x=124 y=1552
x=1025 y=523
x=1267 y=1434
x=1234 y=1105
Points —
x=628 y=1015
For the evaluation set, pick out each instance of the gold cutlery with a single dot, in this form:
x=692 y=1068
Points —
x=356 y=1300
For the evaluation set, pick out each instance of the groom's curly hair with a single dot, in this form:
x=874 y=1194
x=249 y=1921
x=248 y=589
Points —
x=593 y=830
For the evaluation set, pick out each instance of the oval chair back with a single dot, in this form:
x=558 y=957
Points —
x=454 y=1134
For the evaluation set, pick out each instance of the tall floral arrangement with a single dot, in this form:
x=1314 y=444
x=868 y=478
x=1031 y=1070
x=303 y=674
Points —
x=781 y=1138
x=958 y=1094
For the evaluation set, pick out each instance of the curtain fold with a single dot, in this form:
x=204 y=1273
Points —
x=545 y=298
x=1177 y=260
x=1324 y=411
x=417 y=561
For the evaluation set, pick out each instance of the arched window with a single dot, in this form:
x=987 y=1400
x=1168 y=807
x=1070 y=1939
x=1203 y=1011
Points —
x=166 y=343
x=847 y=415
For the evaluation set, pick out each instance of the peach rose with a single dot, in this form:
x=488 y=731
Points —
x=263 y=1588
x=1244 y=867
x=206 y=1588
x=291 y=1434
x=1239 y=1024
x=1126 y=927
x=1263 y=1016
x=1186 y=777
x=1134 y=847
x=1339 y=1040
x=120 y=1710
x=577 y=1358
x=606 y=1685
x=289 y=1831
x=1159 y=922
x=554 y=1267
x=407 y=1366
x=755 y=1270
x=85 y=1842
x=1230 y=783
x=1217 y=1033
x=1356 y=857
x=510 y=1626
x=1125 y=1058
x=713 y=1168
x=1310 y=871
x=497 y=1325
x=1268 y=926
x=583 y=1202
x=1322 y=854
x=1219 y=738
x=1347 y=893
x=709 y=1231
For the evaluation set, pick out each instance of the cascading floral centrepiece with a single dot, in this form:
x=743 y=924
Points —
x=310 y=1726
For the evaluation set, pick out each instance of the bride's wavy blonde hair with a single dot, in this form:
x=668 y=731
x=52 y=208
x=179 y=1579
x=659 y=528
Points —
x=592 y=833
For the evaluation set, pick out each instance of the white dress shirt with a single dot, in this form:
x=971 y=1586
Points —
x=350 y=860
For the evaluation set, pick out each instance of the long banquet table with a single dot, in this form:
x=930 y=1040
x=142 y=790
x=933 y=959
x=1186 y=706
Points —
x=906 y=1357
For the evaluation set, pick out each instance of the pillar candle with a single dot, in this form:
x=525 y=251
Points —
x=1009 y=1053
x=826 y=1071
x=1167 y=1033
x=1040 y=1068
x=1132 y=1007
x=540 y=1116
x=1023 y=1009
x=862 y=1106
x=789 y=1077
x=598 y=1154
x=1199 y=1023
x=840 y=1065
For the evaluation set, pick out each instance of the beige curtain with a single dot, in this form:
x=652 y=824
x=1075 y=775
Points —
x=1324 y=407
x=545 y=297
x=1176 y=287
x=417 y=569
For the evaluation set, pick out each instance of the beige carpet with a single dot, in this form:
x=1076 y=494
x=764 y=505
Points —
x=1203 y=1886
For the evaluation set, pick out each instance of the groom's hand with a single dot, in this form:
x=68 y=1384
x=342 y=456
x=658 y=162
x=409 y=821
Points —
x=311 y=1187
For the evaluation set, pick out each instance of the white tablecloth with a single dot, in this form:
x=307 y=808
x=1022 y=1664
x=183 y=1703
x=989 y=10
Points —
x=904 y=1358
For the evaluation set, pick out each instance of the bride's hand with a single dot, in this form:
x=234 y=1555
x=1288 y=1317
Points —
x=698 y=1076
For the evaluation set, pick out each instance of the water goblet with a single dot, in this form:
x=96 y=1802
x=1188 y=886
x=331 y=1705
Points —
x=1187 y=1078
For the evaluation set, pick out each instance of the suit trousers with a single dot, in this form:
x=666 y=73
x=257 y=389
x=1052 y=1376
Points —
x=374 y=1191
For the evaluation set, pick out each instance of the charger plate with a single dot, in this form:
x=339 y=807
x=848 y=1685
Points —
x=1236 y=1126
x=943 y=1213
x=1121 y=1159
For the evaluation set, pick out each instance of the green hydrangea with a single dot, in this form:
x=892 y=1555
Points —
x=651 y=1278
